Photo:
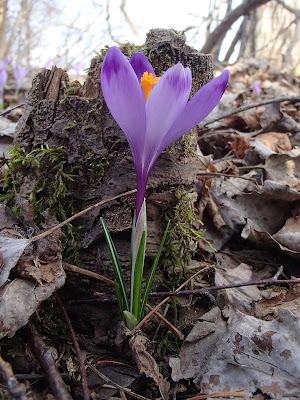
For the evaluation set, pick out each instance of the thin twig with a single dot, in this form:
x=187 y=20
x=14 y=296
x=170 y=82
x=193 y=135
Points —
x=80 y=358
x=102 y=278
x=86 y=272
x=101 y=203
x=179 y=292
x=11 y=109
x=234 y=285
x=16 y=390
x=168 y=323
x=249 y=106
x=156 y=308
x=44 y=356
x=117 y=386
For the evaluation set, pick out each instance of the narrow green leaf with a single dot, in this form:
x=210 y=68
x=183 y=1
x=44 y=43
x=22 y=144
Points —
x=138 y=275
x=116 y=264
x=131 y=259
x=140 y=226
x=119 y=298
x=151 y=274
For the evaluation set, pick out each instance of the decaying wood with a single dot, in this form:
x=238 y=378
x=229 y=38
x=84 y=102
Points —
x=76 y=118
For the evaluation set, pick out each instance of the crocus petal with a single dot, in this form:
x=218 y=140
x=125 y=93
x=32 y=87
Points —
x=165 y=102
x=125 y=100
x=201 y=104
x=141 y=64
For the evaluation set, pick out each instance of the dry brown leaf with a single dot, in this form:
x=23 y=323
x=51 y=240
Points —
x=284 y=169
x=276 y=141
x=12 y=246
x=270 y=116
x=288 y=298
x=146 y=363
x=237 y=298
x=245 y=353
x=289 y=234
x=20 y=299
x=252 y=117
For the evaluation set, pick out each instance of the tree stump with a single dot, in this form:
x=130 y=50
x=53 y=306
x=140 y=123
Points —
x=75 y=118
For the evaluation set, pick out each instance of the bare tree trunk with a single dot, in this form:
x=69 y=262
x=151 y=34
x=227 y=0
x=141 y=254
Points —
x=225 y=25
x=237 y=38
x=273 y=33
x=249 y=35
x=3 y=16
x=217 y=48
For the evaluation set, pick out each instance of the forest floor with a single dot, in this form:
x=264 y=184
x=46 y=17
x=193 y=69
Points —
x=234 y=332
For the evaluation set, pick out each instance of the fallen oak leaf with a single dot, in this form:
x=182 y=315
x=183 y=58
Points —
x=11 y=251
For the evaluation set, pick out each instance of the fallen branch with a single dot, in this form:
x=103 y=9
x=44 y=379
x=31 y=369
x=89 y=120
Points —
x=80 y=358
x=248 y=107
x=119 y=387
x=44 y=357
x=16 y=390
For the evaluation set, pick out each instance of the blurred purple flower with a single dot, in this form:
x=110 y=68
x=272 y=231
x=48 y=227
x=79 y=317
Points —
x=153 y=113
x=77 y=68
x=3 y=64
x=20 y=73
x=49 y=64
x=3 y=79
x=256 y=88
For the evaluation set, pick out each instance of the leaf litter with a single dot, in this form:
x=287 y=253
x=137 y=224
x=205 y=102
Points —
x=248 y=197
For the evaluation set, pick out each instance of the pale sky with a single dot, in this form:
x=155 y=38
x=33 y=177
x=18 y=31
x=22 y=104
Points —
x=176 y=14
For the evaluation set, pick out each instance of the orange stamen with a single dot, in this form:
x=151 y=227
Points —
x=147 y=81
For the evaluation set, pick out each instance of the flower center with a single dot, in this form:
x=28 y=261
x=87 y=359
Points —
x=147 y=81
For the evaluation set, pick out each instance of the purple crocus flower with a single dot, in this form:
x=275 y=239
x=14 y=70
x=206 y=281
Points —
x=20 y=73
x=153 y=113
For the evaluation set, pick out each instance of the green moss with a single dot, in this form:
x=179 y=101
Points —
x=129 y=49
x=98 y=166
x=48 y=175
x=71 y=126
x=168 y=344
x=183 y=237
x=72 y=89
